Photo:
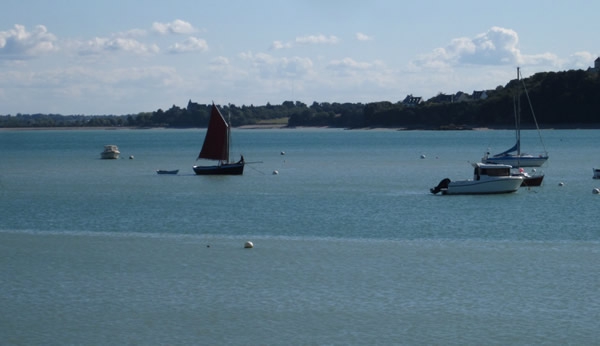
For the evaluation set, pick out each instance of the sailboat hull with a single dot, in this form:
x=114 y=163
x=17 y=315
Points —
x=224 y=169
x=518 y=161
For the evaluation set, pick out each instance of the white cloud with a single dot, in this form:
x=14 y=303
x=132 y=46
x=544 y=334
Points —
x=99 y=45
x=177 y=26
x=363 y=37
x=349 y=63
x=317 y=39
x=75 y=78
x=18 y=43
x=348 y=72
x=191 y=44
x=132 y=33
x=280 y=45
x=295 y=66
x=131 y=41
x=497 y=46
x=82 y=75
x=220 y=60
x=581 y=60
x=544 y=59
x=268 y=66
x=305 y=40
x=84 y=89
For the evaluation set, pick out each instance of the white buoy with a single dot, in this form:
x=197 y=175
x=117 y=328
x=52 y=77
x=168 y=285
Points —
x=275 y=172
x=596 y=191
x=561 y=184
x=282 y=153
x=131 y=157
x=248 y=245
x=423 y=156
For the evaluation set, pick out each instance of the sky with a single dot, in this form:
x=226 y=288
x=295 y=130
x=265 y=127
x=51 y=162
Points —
x=125 y=57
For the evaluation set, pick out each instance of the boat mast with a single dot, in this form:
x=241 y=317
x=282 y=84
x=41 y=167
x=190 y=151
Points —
x=228 y=130
x=518 y=114
x=534 y=118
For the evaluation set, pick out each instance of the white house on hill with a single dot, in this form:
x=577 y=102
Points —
x=479 y=95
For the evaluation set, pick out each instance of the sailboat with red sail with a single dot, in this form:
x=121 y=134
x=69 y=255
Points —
x=216 y=147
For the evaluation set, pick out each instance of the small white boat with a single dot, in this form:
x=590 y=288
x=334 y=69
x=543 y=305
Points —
x=596 y=173
x=110 y=152
x=487 y=179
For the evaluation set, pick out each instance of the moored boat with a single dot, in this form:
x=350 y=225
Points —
x=216 y=147
x=516 y=160
x=513 y=156
x=487 y=179
x=529 y=180
x=532 y=180
x=110 y=152
x=596 y=173
x=162 y=171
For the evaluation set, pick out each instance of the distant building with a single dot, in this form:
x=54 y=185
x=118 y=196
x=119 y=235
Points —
x=442 y=98
x=479 y=95
x=412 y=101
x=461 y=97
x=596 y=67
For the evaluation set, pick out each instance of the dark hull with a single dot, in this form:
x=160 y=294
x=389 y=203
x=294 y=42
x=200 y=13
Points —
x=224 y=169
x=533 y=181
x=161 y=171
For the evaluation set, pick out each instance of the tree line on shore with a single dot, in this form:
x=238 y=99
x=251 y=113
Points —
x=569 y=98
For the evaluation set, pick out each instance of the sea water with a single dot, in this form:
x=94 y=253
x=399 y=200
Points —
x=350 y=247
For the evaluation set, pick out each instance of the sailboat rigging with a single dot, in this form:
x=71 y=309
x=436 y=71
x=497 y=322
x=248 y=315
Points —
x=514 y=156
x=216 y=147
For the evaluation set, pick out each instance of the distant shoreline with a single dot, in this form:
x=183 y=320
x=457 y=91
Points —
x=285 y=127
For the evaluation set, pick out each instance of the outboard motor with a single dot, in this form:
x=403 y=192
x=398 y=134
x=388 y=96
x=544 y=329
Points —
x=442 y=185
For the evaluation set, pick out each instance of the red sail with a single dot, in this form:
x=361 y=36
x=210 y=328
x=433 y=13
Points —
x=216 y=142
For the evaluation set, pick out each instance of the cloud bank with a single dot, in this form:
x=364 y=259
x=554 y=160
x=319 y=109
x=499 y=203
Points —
x=18 y=43
x=495 y=47
x=136 y=68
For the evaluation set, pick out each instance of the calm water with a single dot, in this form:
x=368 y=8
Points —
x=350 y=246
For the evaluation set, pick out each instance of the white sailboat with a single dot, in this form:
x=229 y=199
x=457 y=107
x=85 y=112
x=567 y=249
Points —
x=514 y=156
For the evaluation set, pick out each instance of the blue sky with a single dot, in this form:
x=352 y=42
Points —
x=126 y=57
